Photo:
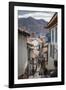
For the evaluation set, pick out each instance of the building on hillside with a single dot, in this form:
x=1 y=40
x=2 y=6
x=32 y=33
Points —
x=32 y=44
x=30 y=48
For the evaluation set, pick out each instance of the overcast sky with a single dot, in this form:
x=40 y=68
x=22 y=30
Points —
x=36 y=14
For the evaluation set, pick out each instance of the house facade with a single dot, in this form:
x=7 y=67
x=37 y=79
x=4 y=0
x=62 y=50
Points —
x=52 y=45
x=22 y=51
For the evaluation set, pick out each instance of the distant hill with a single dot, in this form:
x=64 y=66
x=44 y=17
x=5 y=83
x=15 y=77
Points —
x=33 y=25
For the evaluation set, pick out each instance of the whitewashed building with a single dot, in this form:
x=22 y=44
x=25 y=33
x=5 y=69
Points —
x=22 y=51
x=52 y=46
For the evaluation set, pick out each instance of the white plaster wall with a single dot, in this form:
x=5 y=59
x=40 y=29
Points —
x=22 y=54
x=50 y=59
x=50 y=65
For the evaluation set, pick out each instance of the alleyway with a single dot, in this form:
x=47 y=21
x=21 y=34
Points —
x=36 y=75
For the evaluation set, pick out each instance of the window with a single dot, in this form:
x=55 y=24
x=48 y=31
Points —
x=52 y=48
x=52 y=35
x=48 y=36
x=56 y=35
x=53 y=51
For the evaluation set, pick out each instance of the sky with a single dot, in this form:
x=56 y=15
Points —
x=36 y=14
